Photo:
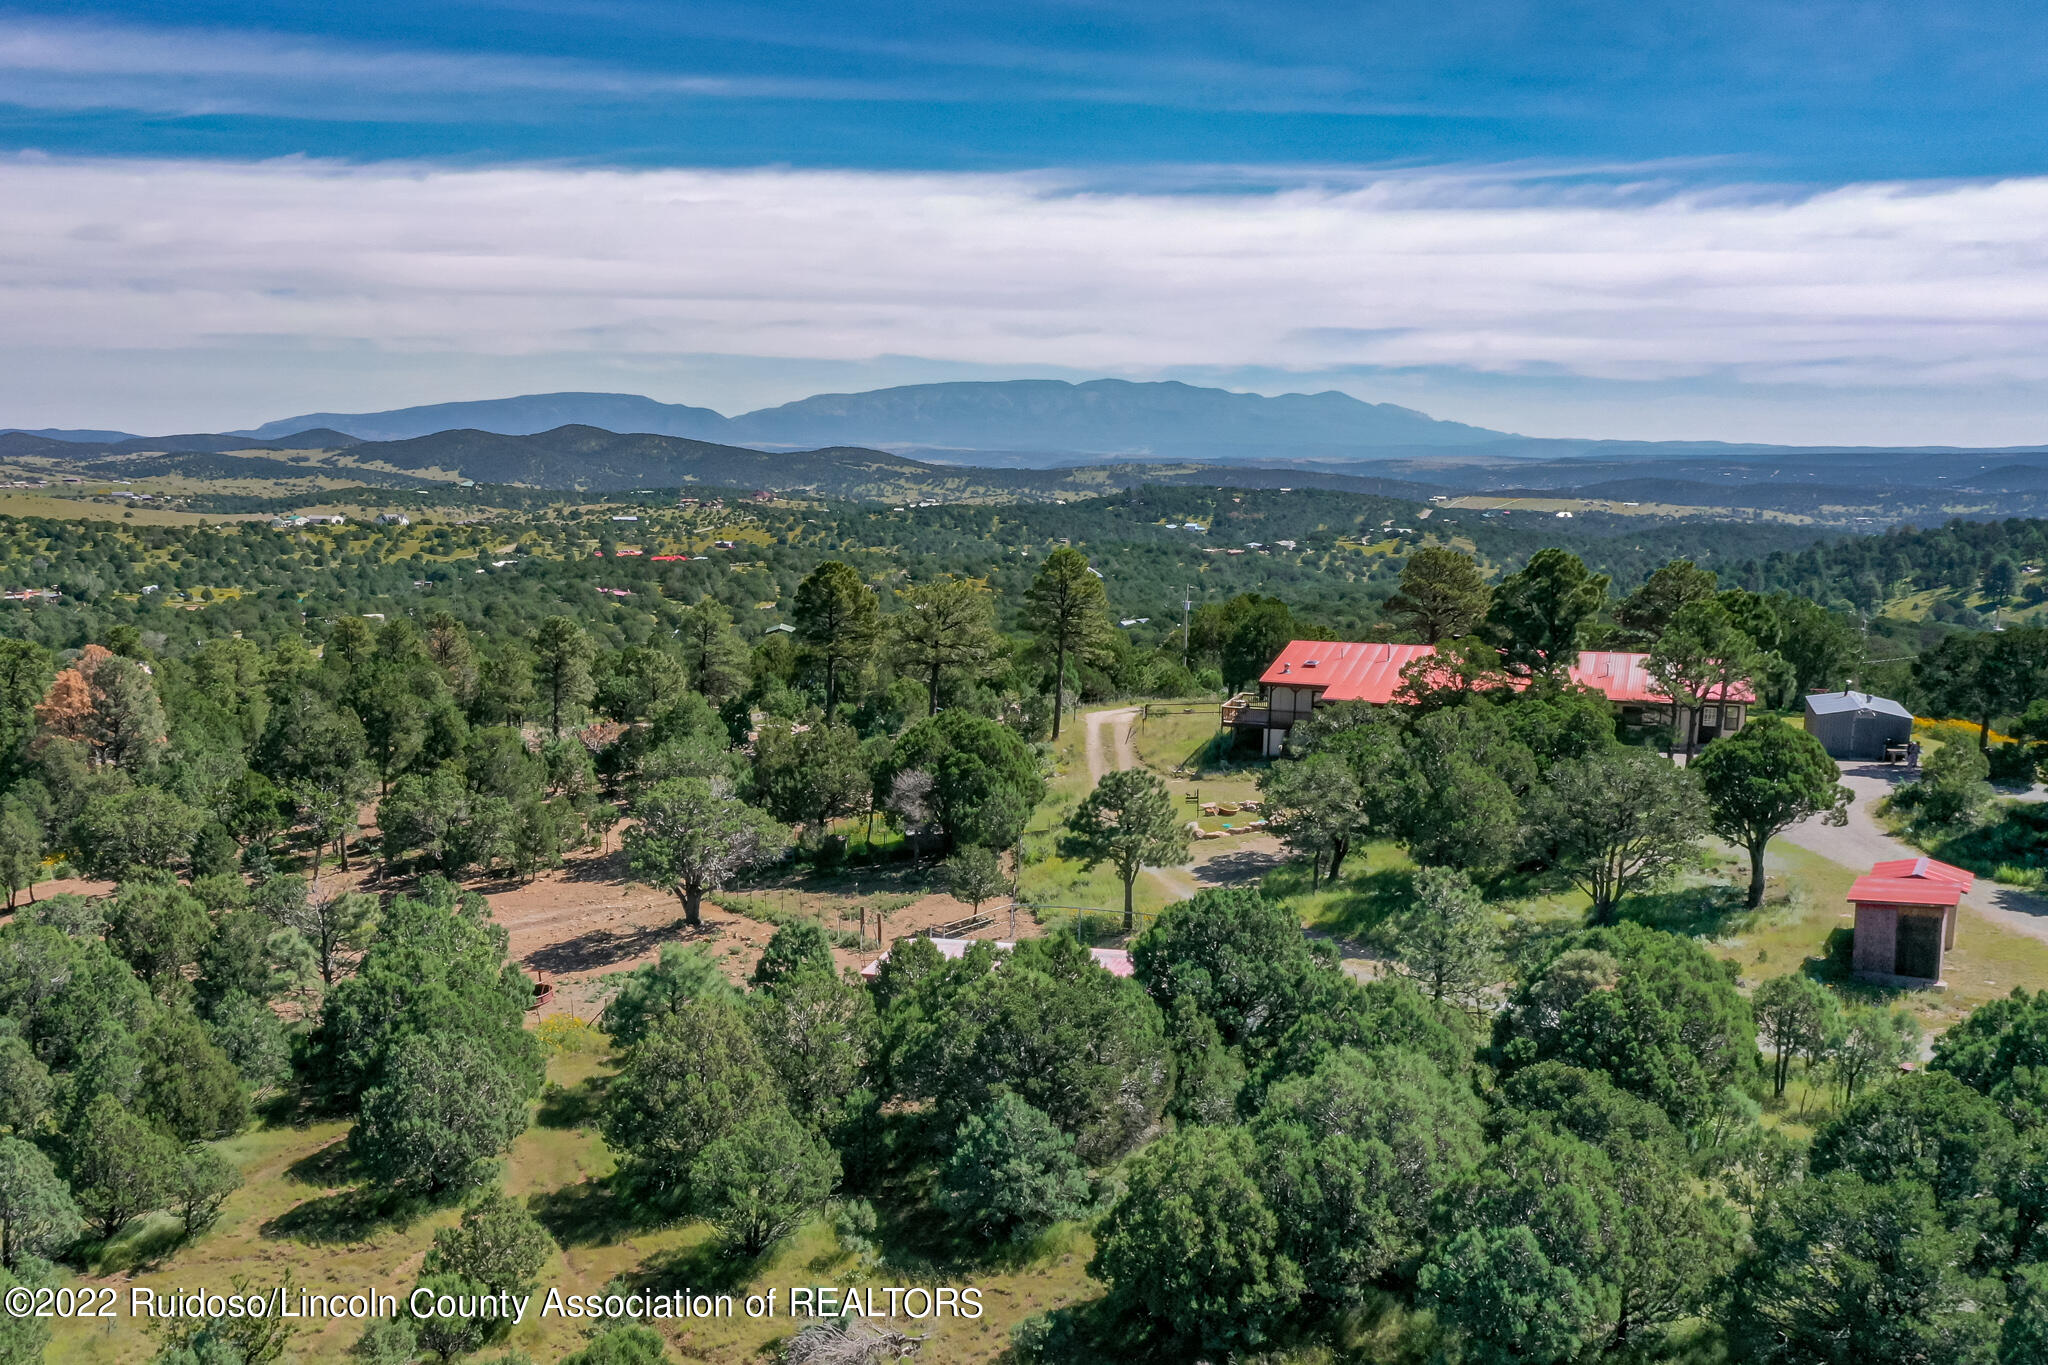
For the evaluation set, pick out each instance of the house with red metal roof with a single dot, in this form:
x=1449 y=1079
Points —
x=1906 y=910
x=1311 y=673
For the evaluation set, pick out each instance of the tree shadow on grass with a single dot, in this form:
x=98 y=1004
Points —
x=350 y=1210
x=1710 y=912
x=707 y=1266
x=597 y=1212
x=350 y=1215
x=327 y=1167
x=574 y=1106
x=1360 y=907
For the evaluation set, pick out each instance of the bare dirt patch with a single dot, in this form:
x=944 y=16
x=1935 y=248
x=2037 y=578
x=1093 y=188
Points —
x=587 y=920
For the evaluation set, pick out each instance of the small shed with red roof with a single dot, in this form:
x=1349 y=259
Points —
x=1906 y=912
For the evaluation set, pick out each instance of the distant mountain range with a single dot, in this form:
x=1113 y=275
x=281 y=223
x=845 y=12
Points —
x=1045 y=418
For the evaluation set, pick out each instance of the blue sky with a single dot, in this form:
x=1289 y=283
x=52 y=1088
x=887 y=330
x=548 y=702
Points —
x=1801 y=221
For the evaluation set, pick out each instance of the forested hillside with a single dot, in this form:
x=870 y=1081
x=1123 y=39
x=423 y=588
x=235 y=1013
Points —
x=1572 y=1034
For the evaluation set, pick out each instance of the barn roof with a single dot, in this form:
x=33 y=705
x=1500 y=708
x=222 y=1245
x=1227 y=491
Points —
x=1349 y=671
x=1834 y=703
x=1912 y=881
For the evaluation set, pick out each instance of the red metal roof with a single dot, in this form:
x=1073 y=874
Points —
x=1870 y=890
x=1372 y=672
x=1911 y=881
x=1924 y=867
x=1346 y=672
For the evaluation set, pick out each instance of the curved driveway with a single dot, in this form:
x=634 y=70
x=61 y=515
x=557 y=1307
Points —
x=1863 y=841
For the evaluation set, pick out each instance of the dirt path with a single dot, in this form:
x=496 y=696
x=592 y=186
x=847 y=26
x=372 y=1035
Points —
x=1099 y=747
x=1863 y=841
x=1111 y=739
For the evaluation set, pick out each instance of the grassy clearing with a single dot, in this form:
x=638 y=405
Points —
x=297 y=1214
x=1805 y=903
x=73 y=509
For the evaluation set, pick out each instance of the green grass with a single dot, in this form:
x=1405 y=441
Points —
x=1806 y=901
x=298 y=1215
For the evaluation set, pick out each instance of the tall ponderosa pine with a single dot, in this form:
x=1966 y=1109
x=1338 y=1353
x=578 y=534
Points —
x=1067 y=608
x=713 y=650
x=945 y=632
x=837 y=619
x=561 y=657
x=1442 y=595
x=1539 y=615
x=1647 y=612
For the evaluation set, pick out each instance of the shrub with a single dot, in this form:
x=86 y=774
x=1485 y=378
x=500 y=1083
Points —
x=2012 y=765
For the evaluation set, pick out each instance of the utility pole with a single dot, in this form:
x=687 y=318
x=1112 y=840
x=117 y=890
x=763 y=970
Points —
x=1187 y=607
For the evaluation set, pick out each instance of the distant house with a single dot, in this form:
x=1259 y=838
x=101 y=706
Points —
x=1310 y=673
x=1857 y=724
x=1115 y=961
x=1906 y=911
x=393 y=519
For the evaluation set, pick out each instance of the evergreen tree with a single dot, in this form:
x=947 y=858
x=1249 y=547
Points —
x=760 y=1179
x=1012 y=1172
x=562 y=656
x=37 y=1216
x=1067 y=610
x=445 y=1106
x=1192 y=1248
x=120 y=1167
x=681 y=974
x=1793 y=1014
x=838 y=620
x=21 y=848
x=691 y=838
x=945 y=635
x=1129 y=823
x=1442 y=594
x=201 y=1184
x=975 y=874
x=1447 y=941
x=1616 y=823
x=1539 y=615
x=1763 y=779
x=695 y=1075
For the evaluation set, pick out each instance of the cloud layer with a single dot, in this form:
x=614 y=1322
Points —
x=1939 y=287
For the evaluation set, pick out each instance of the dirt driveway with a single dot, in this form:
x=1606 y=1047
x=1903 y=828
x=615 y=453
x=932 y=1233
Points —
x=1238 y=860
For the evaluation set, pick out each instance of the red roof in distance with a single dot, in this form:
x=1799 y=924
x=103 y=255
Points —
x=1371 y=672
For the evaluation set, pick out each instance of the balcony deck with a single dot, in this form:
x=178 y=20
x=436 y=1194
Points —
x=1246 y=711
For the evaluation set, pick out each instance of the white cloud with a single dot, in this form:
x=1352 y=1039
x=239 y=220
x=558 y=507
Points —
x=195 y=71
x=1935 y=287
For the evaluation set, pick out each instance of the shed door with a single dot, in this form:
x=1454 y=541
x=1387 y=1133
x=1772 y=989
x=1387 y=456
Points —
x=1919 y=946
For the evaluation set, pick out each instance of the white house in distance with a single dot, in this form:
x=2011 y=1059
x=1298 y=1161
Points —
x=1309 y=673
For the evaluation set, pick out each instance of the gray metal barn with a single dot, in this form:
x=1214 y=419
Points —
x=1856 y=724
